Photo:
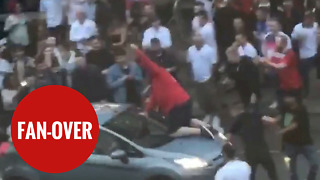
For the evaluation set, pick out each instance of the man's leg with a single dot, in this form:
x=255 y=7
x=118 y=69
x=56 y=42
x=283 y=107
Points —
x=186 y=131
x=311 y=155
x=268 y=164
x=292 y=152
x=253 y=163
x=305 y=67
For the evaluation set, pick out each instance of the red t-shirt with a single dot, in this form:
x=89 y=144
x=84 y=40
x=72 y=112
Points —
x=166 y=92
x=289 y=77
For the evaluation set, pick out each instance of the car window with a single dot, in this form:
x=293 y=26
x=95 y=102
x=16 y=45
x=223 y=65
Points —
x=144 y=132
x=129 y=124
x=108 y=143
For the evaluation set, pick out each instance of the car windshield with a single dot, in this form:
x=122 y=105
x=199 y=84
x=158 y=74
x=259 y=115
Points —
x=144 y=132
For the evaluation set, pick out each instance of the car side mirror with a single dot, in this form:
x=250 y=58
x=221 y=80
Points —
x=120 y=155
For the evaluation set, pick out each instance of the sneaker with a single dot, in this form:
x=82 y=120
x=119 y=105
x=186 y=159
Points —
x=208 y=132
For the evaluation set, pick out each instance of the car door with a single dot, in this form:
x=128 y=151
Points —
x=100 y=165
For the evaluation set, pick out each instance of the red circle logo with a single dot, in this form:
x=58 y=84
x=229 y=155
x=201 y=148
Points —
x=54 y=129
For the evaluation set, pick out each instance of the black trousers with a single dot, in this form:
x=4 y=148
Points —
x=262 y=158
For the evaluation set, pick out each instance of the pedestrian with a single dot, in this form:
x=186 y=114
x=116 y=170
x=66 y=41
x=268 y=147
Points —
x=285 y=61
x=208 y=32
x=157 y=31
x=203 y=64
x=11 y=94
x=249 y=126
x=174 y=103
x=66 y=59
x=269 y=41
x=16 y=26
x=247 y=81
x=233 y=168
x=296 y=137
x=289 y=16
x=162 y=57
x=305 y=34
x=197 y=9
x=82 y=30
x=241 y=28
x=88 y=80
x=99 y=55
x=54 y=12
x=224 y=16
x=125 y=80
x=246 y=48
x=261 y=26
x=23 y=65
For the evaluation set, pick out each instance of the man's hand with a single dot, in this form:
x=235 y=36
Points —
x=253 y=99
x=133 y=46
x=104 y=72
x=269 y=120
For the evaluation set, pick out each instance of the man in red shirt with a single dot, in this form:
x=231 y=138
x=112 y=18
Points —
x=285 y=61
x=171 y=99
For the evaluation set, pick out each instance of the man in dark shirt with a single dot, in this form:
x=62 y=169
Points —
x=99 y=55
x=249 y=126
x=296 y=137
x=247 y=80
x=289 y=16
x=88 y=80
x=224 y=17
x=162 y=57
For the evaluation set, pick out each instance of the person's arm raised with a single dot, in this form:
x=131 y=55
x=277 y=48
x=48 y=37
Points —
x=145 y=62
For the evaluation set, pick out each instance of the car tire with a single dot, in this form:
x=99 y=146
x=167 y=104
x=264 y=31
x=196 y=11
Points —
x=160 y=178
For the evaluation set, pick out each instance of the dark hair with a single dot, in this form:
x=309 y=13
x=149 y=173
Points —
x=203 y=14
x=155 y=41
x=229 y=151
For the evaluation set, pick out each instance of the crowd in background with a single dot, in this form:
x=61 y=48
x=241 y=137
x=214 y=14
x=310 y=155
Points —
x=83 y=44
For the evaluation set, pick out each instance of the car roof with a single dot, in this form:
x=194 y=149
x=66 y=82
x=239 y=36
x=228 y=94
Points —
x=107 y=111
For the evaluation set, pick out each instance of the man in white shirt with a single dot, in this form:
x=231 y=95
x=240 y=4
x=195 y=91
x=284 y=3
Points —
x=81 y=30
x=75 y=5
x=207 y=4
x=157 y=31
x=202 y=60
x=269 y=42
x=54 y=12
x=305 y=34
x=198 y=8
x=233 y=168
x=246 y=48
x=208 y=32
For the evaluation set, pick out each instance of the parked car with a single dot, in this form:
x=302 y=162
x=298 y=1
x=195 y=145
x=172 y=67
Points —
x=131 y=147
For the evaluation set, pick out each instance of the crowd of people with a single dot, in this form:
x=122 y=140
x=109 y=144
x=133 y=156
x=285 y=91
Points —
x=83 y=44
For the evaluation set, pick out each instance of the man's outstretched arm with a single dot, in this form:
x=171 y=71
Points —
x=145 y=62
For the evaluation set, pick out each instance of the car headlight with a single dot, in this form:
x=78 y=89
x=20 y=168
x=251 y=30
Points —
x=191 y=163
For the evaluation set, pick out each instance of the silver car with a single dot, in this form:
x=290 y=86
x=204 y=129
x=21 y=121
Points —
x=131 y=147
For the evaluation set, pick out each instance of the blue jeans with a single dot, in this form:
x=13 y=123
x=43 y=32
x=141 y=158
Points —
x=305 y=66
x=309 y=152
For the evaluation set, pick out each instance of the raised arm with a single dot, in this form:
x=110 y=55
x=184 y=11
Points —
x=145 y=62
